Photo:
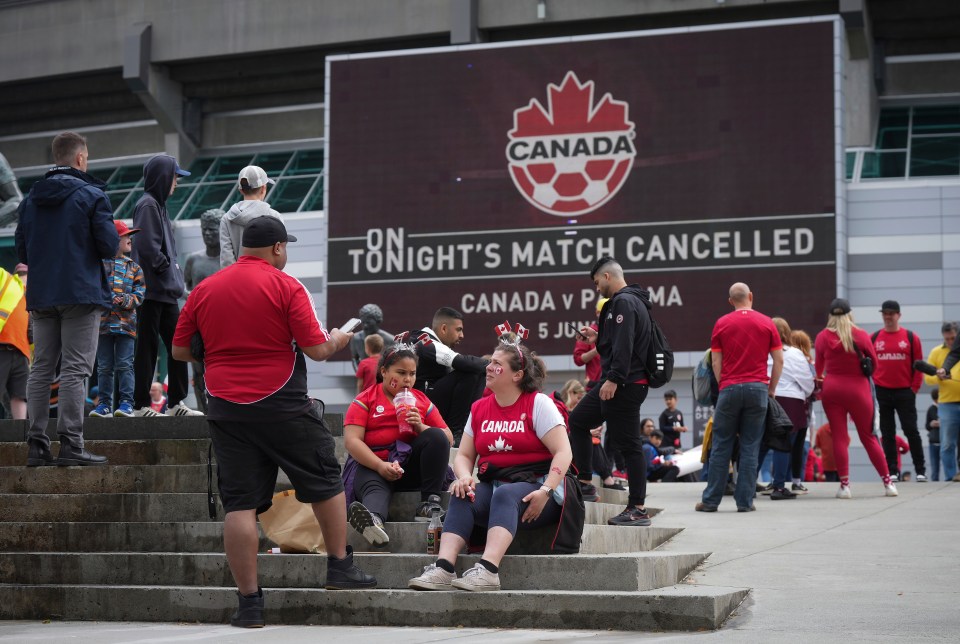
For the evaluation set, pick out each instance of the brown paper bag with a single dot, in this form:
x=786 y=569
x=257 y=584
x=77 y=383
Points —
x=292 y=525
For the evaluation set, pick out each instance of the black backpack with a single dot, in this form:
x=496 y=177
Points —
x=659 y=364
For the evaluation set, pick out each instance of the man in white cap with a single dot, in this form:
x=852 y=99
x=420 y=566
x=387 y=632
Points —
x=253 y=184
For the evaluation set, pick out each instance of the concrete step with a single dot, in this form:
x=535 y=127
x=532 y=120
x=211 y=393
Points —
x=625 y=573
x=165 y=451
x=147 y=536
x=207 y=536
x=104 y=479
x=410 y=537
x=95 y=428
x=675 y=608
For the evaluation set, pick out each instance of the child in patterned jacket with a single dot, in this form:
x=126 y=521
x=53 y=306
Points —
x=118 y=328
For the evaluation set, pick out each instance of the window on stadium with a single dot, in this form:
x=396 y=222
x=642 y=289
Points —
x=911 y=143
x=213 y=183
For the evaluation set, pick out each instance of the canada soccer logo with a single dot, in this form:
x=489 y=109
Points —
x=572 y=157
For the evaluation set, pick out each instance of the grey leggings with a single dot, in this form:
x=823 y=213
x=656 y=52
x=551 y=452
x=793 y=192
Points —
x=501 y=508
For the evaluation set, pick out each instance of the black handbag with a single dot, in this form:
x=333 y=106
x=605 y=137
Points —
x=776 y=434
x=866 y=362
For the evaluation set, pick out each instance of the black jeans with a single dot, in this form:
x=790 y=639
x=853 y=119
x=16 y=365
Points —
x=157 y=319
x=453 y=395
x=904 y=403
x=622 y=415
x=424 y=470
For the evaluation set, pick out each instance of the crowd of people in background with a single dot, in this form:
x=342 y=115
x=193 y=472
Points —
x=107 y=294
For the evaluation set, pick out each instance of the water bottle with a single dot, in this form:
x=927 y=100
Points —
x=434 y=530
x=403 y=402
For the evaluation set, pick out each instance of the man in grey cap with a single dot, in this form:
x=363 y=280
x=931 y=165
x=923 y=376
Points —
x=897 y=384
x=253 y=184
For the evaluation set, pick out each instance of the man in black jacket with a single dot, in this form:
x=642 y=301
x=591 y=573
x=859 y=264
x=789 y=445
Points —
x=623 y=341
x=65 y=231
x=155 y=250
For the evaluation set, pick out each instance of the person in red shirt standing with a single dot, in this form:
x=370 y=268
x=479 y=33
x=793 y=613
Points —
x=739 y=347
x=255 y=324
x=367 y=369
x=585 y=353
x=897 y=384
x=846 y=391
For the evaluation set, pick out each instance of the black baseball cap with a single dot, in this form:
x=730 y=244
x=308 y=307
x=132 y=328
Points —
x=890 y=305
x=839 y=306
x=265 y=231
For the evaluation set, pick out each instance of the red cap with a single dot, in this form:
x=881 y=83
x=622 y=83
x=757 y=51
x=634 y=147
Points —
x=122 y=228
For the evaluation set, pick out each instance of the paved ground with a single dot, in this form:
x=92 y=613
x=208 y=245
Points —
x=872 y=569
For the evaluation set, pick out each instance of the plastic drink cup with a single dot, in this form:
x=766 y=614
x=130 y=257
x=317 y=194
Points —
x=403 y=402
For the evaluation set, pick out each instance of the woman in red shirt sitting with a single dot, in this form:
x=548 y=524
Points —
x=384 y=459
x=524 y=453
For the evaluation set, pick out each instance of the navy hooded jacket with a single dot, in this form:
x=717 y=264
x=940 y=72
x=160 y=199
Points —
x=64 y=232
x=154 y=247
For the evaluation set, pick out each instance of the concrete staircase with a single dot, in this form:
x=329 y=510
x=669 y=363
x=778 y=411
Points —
x=132 y=541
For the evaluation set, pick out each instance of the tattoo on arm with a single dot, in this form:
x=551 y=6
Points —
x=556 y=469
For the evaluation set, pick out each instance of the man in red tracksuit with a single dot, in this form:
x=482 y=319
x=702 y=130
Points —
x=897 y=385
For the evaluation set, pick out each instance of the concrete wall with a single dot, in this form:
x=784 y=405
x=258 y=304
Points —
x=904 y=244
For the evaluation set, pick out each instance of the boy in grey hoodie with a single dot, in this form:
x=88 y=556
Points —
x=252 y=184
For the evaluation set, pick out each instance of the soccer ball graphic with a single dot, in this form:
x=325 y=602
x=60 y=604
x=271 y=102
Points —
x=572 y=158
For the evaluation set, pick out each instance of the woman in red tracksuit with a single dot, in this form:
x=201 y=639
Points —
x=846 y=390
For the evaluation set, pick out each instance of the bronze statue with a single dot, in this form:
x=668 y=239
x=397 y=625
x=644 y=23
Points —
x=372 y=317
x=10 y=195
x=199 y=266
x=204 y=263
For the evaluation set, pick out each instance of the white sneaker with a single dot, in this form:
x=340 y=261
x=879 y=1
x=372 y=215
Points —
x=890 y=489
x=182 y=410
x=433 y=578
x=921 y=478
x=477 y=579
x=146 y=412
x=844 y=492
x=895 y=477
x=367 y=523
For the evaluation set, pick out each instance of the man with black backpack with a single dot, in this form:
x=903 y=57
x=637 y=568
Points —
x=897 y=384
x=624 y=340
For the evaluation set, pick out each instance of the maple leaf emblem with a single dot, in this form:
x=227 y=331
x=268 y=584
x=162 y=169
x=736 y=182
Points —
x=903 y=344
x=500 y=445
x=572 y=156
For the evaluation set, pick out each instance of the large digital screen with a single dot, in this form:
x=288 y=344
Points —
x=491 y=178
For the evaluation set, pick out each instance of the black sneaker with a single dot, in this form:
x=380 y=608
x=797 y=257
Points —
x=425 y=509
x=768 y=489
x=589 y=491
x=70 y=456
x=781 y=493
x=616 y=485
x=631 y=516
x=343 y=574
x=367 y=523
x=250 y=612
x=729 y=489
x=799 y=488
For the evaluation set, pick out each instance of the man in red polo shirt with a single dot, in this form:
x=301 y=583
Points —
x=897 y=384
x=256 y=324
x=739 y=347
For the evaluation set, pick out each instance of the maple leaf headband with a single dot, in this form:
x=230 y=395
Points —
x=511 y=336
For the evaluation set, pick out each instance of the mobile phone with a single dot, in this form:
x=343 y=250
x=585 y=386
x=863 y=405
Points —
x=351 y=325
x=577 y=331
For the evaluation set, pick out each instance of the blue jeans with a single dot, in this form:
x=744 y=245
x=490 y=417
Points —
x=934 y=468
x=500 y=508
x=781 y=463
x=949 y=430
x=115 y=357
x=741 y=412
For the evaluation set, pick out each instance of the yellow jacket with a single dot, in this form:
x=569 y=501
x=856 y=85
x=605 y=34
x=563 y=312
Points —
x=949 y=389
